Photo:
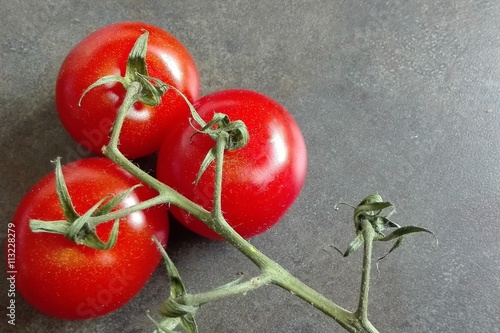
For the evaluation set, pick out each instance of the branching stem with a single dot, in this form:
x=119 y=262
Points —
x=271 y=272
x=228 y=135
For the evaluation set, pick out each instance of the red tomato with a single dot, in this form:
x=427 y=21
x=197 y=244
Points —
x=71 y=281
x=260 y=181
x=105 y=52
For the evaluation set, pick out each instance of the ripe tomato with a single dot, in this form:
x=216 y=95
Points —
x=70 y=281
x=105 y=52
x=260 y=181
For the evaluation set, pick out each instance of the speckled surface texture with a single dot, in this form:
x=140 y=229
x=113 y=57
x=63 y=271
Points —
x=396 y=97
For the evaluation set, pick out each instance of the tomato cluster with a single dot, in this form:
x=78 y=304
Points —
x=260 y=181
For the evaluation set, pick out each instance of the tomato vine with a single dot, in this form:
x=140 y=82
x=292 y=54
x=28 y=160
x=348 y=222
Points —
x=181 y=307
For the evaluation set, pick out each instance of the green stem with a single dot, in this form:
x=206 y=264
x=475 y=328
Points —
x=271 y=271
x=225 y=291
x=217 y=222
x=279 y=276
x=287 y=281
x=96 y=220
x=166 y=193
x=362 y=310
x=112 y=151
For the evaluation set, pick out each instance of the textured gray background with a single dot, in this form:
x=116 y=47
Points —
x=396 y=97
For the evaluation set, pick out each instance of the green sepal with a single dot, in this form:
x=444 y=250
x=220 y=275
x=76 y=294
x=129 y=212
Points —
x=372 y=198
x=399 y=234
x=93 y=241
x=209 y=158
x=62 y=228
x=81 y=229
x=82 y=233
x=150 y=93
x=396 y=244
x=189 y=324
x=80 y=226
x=369 y=210
x=219 y=119
x=167 y=325
x=401 y=231
x=53 y=227
x=237 y=131
x=115 y=201
x=171 y=309
x=63 y=195
x=136 y=71
x=353 y=246
x=236 y=134
x=136 y=62
x=103 y=80
x=177 y=287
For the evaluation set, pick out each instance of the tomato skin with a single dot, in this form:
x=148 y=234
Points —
x=70 y=281
x=260 y=181
x=105 y=52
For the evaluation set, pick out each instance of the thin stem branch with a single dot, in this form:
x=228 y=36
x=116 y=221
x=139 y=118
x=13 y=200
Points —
x=368 y=235
x=155 y=201
x=111 y=150
x=218 y=223
x=131 y=97
x=362 y=310
x=220 y=293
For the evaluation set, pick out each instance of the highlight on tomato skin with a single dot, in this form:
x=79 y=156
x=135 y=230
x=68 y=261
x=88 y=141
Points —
x=70 y=281
x=105 y=52
x=260 y=182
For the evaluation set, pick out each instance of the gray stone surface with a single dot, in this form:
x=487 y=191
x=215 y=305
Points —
x=396 y=97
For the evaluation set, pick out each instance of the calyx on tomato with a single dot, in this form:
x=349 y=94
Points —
x=236 y=131
x=136 y=71
x=79 y=228
x=174 y=313
x=237 y=137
